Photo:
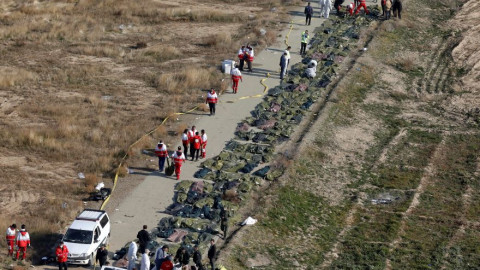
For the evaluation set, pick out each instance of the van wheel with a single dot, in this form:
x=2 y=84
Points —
x=90 y=261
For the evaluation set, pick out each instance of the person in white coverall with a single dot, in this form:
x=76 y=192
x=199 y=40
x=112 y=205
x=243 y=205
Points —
x=311 y=71
x=132 y=255
x=145 y=262
x=321 y=6
x=326 y=8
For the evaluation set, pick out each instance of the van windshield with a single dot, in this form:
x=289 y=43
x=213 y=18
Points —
x=78 y=236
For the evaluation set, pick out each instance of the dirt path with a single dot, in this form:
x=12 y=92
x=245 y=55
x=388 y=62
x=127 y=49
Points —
x=146 y=203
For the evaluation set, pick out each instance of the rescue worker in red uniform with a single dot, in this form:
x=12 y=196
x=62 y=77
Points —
x=197 y=144
x=23 y=241
x=62 y=255
x=236 y=76
x=249 y=56
x=350 y=8
x=212 y=100
x=204 y=143
x=178 y=159
x=11 y=233
x=241 y=57
x=185 y=140
x=363 y=4
x=162 y=154
x=191 y=134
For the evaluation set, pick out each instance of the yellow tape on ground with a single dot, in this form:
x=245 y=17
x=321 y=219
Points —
x=288 y=34
x=262 y=82
x=124 y=158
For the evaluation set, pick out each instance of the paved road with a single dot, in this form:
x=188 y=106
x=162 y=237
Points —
x=147 y=202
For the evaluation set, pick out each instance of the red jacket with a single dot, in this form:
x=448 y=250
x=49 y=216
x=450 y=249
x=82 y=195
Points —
x=197 y=141
x=161 y=150
x=191 y=134
x=178 y=158
x=11 y=232
x=62 y=253
x=212 y=97
x=23 y=239
x=166 y=265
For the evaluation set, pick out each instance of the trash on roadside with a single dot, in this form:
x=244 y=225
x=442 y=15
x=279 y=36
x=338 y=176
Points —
x=249 y=221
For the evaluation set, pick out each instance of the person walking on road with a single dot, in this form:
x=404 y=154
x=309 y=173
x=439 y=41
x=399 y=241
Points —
x=283 y=65
x=10 y=236
x=363 y=4
x=397 y=8
x=145 y=262
x=204 y=143
x=23 y=241
x=143 y=237
x=308 y=14
x=178 y=159
x=212 y=254
x=197 y=258
x=197 y=145
x=160 y=255
x=236 y=76
x=132 y=255
x=102 y=256
x=327 y=8
x=212 y=100
x=61 y=252
x=185 y=140
x=303 y=44
x=162 y=154
x=191 y=134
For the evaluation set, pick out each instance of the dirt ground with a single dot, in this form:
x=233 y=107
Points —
x=388 y=171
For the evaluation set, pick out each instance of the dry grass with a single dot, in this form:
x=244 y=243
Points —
x=78 y=90
x=10 y=77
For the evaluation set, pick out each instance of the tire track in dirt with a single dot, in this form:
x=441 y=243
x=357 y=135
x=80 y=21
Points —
x=393 y=142
x=466 y=202
x=425 y=181
x=333 y=253
x=439 y=69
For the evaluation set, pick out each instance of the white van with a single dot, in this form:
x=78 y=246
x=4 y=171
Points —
x=88 y=231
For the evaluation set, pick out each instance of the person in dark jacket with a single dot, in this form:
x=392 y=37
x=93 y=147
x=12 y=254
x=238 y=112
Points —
x=397 y=8
x=197 y=258
x=102 y=256
x=224 y=225
x=143 y=237
x=308 y=14
x=212 y=254
x=337 y=5
x=283 y=65
x=182 y=256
